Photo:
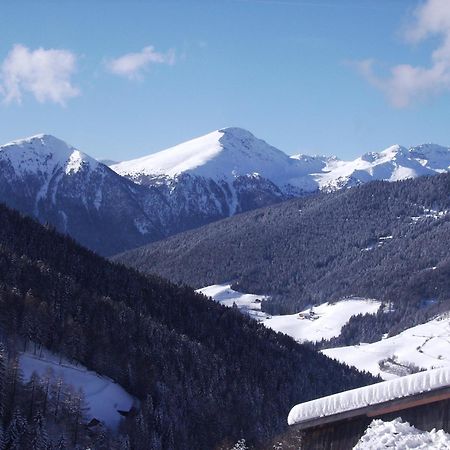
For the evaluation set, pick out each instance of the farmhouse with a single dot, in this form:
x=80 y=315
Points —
x=338 y=421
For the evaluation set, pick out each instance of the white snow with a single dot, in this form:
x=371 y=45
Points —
x=248 y=303
x=44 y=154
x=327 y=319
x=370 y=395
x=103 y=396
x=325 y=322
x=230 y=152
x=425 y=346
x=221 y=155
x=400 y=435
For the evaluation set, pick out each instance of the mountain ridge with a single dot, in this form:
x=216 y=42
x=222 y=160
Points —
x=218 y=175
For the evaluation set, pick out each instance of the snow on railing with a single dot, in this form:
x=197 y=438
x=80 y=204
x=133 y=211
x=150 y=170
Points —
x=370 y=395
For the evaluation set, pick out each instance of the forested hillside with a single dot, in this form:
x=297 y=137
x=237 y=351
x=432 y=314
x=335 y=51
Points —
x=204 y=373
x=382 y=240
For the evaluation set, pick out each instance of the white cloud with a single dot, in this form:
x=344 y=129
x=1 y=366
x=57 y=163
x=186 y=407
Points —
x=46 y=74
x=406 y=83
x=133 y=65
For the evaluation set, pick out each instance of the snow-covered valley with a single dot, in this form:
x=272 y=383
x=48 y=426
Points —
x=424 y=346
x=313 y=324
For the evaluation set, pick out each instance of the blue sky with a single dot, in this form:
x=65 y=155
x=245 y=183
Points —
x=295 y=73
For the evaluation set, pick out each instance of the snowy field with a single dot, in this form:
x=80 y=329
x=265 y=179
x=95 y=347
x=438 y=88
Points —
x=247 y=303
x=103 y=396
x=326 y=320
x=401 y=435
x=321 y=322
x=425 y=346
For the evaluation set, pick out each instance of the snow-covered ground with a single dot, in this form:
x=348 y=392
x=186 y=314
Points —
x=400 y=435
x=320 y=322
x=425 y=346
x=323 y=321
x=103 y=396
x=247 y=303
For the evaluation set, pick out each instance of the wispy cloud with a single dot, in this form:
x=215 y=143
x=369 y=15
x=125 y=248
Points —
x=133 y=65
x=406 y=83
x=45 y=73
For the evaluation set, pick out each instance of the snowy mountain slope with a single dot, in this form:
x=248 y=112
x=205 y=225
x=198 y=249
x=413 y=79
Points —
x=103 y=396
x=217 y=175
x=393 y=164
x=221 y=155
x=230 y=153
x=400 y=435
x=44 y=153
x=44 y=177
x=206 y=179
x=424 y=346
x=229 y=171
x=320 y=322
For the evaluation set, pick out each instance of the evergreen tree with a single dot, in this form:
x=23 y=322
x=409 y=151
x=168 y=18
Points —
x=16 y=432
x=37 y=435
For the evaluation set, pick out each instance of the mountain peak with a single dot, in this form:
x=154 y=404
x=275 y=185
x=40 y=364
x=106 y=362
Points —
x=42 y=139
x=236 y=132
x=44 y=152
x=222 y=154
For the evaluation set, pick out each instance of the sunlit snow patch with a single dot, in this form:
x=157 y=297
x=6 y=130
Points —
x=247 y=303
x=424 y=346
x=313 y=324
x=103 y=396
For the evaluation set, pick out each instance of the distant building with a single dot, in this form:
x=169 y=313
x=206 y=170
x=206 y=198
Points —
x=338 y=421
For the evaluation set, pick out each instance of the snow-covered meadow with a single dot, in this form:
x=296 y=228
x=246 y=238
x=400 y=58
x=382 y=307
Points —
x=425 y=346
x=313 y=324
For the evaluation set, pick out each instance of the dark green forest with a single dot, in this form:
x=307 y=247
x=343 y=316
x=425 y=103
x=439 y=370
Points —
x=388 y=241
x=205 y=375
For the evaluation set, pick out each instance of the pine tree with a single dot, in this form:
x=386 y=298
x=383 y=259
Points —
x=61 y=444
x=37 y=436
x=240 y=445
x=16 y=433
x=3 y=361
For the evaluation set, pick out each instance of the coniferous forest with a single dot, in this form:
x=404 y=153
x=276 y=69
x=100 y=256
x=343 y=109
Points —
x=382 y=240
x=205 y=375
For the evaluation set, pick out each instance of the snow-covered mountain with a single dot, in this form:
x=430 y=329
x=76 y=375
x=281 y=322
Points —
x=44 y=177
x=206 y=179
x=216 y=165
x=222 y=173
x=393 y=164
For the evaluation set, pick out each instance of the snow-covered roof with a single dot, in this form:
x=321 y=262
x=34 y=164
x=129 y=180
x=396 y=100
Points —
x=370 y=395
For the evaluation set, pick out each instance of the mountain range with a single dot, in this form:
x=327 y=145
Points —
x=229 y=171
